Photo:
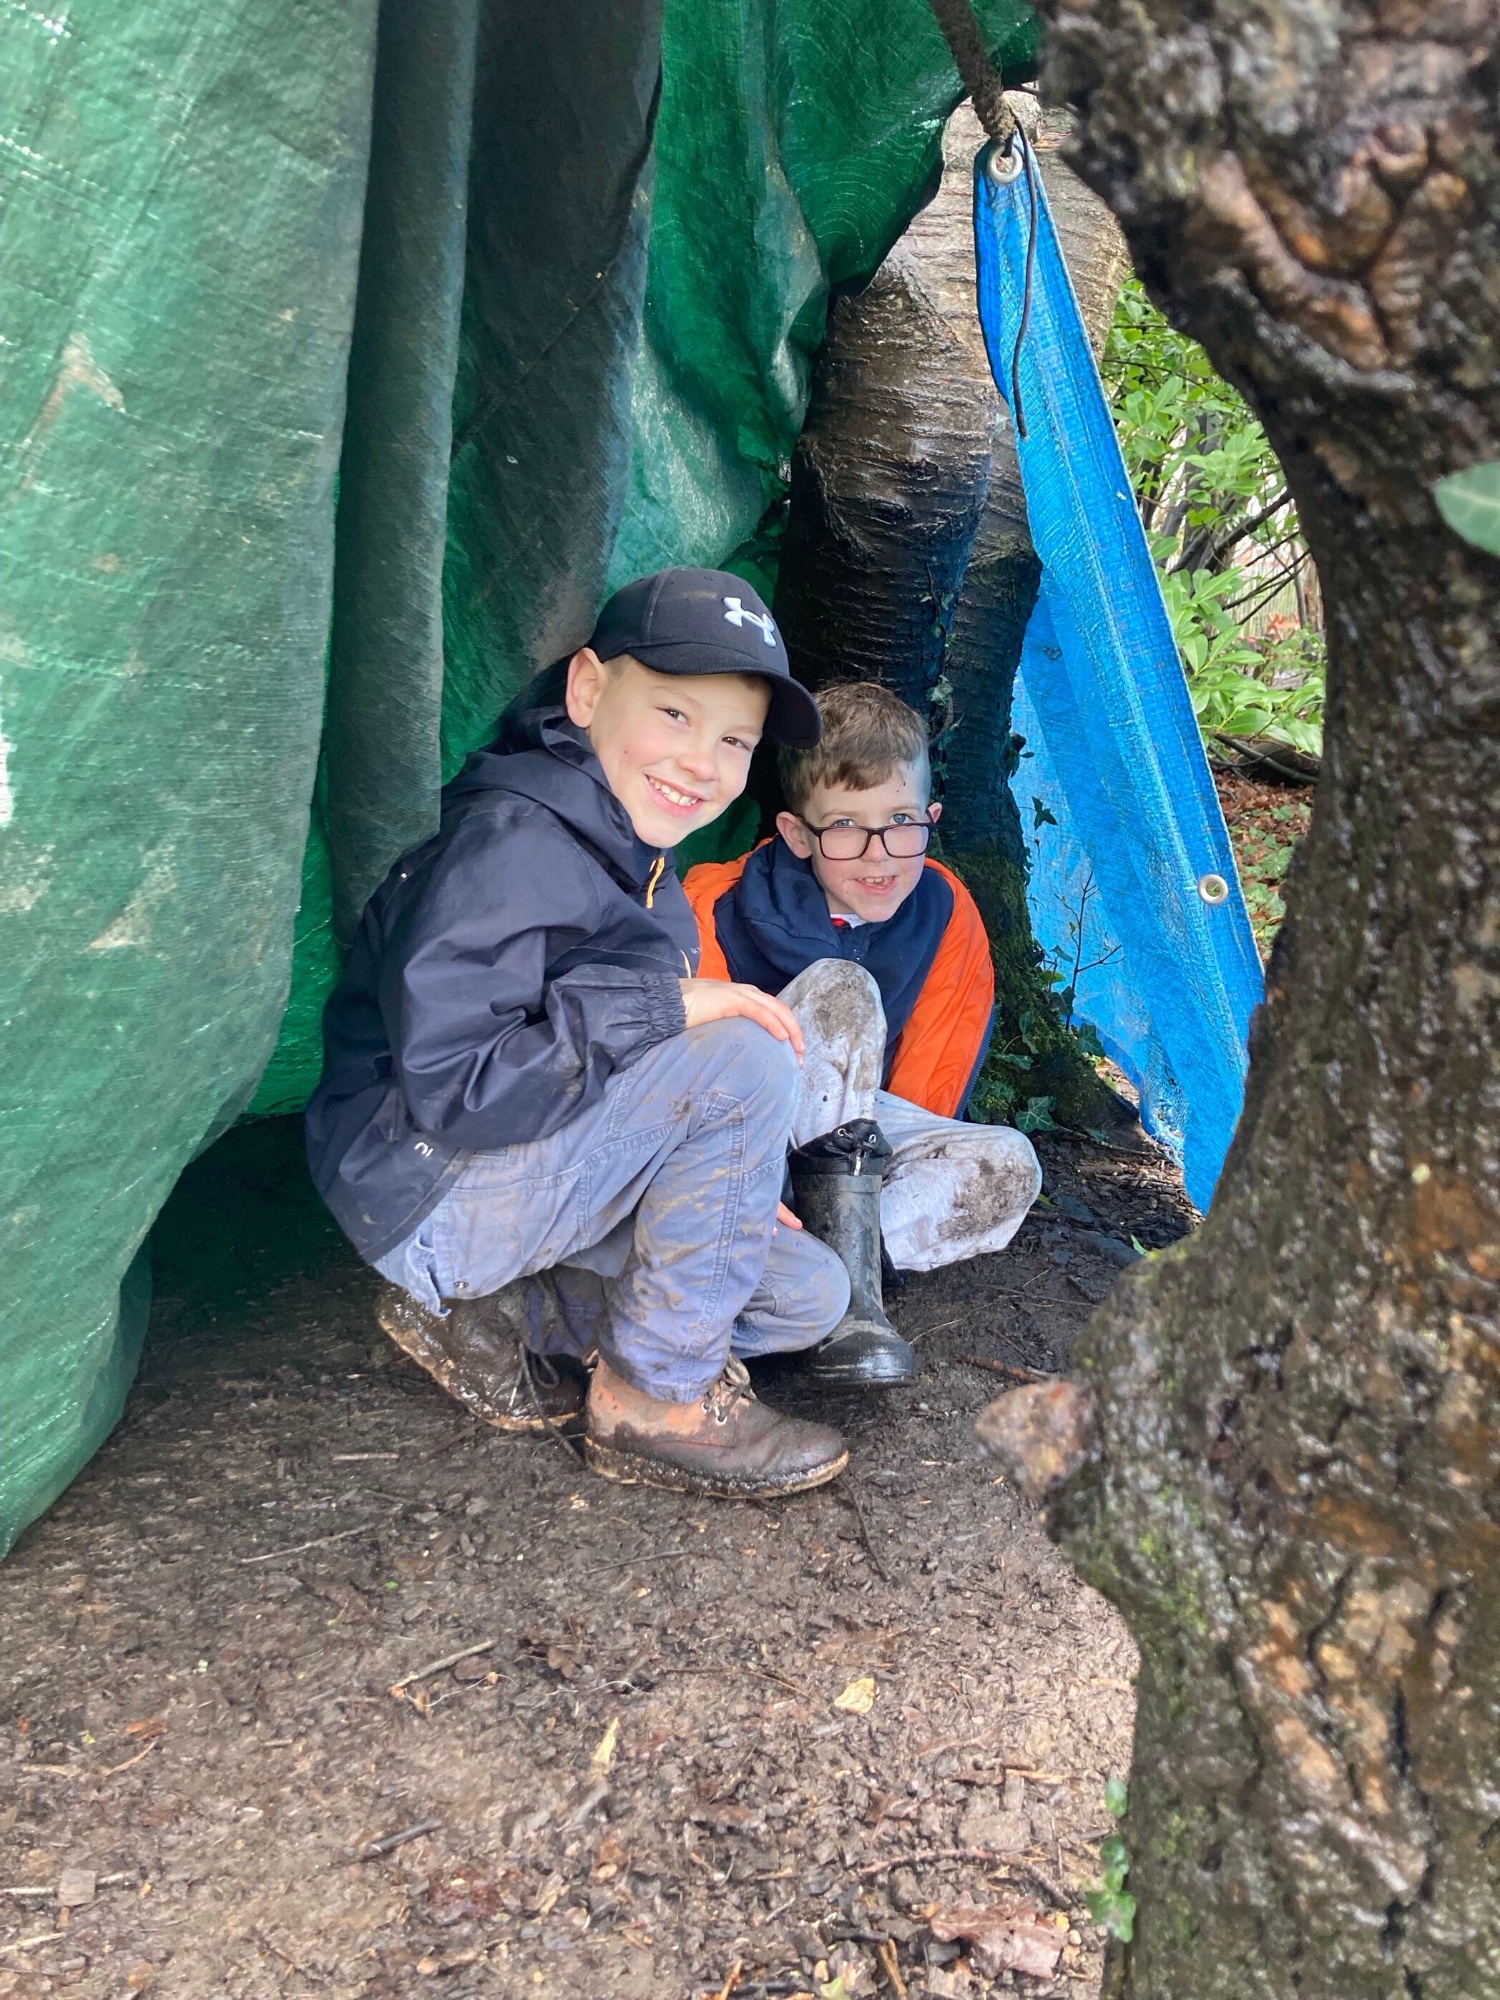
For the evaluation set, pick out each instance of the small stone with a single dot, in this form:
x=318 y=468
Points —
x=76 y=1887
x=905 y=1890
x=943 y=1985
x=140 y=1976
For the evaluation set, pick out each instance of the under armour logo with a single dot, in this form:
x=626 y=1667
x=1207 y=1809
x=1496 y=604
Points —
x=736 y=614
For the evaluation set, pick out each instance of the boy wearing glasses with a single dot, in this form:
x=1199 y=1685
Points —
x=882 y=956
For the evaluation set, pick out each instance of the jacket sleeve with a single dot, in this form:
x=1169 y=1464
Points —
x=705 y=884
x=488 y=1050
x=948 y=1031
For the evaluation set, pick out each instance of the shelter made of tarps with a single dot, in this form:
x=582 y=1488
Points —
x=1133 y=888
x=418 y=325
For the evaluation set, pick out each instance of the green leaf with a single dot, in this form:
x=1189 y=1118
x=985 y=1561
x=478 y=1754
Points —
x=1116 y=1791
x=1113 y=1913
x=1037 y=1116
x=1113 y=1853
x=1469 y=502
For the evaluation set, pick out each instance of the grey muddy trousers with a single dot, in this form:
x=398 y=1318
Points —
x=950 y=1190
x=655 y=1210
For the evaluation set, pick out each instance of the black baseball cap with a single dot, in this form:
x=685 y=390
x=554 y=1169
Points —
x=705 y=621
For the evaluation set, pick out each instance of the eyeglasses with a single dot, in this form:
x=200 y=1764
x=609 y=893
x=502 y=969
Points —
x=902 y=840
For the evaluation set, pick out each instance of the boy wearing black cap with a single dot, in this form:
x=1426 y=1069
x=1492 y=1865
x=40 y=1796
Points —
x=551 y=1139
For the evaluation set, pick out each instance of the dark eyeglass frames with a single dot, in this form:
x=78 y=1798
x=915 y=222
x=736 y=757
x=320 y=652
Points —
x=902 y=840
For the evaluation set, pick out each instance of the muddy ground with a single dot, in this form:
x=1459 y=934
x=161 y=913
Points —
x=638 y=1783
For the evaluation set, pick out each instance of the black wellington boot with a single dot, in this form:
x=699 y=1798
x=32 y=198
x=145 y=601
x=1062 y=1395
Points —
x=836 y=1193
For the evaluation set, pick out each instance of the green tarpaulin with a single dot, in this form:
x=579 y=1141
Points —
x=565 y=269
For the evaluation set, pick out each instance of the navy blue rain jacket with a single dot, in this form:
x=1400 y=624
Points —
x=502 y=974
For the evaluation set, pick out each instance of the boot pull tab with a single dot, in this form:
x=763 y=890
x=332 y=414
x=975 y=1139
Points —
x=859 y=1147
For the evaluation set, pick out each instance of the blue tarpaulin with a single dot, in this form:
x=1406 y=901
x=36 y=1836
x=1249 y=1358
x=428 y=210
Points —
x=1132 y=877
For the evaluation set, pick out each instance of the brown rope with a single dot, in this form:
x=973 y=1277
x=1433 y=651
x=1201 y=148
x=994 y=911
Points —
x=980 y=77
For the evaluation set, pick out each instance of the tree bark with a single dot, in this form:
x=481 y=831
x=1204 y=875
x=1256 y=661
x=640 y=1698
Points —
x=1280 y=1455
x=908 y=558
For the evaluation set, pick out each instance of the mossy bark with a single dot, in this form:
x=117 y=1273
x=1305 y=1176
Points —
x=908 y=559
x=1284 y=1461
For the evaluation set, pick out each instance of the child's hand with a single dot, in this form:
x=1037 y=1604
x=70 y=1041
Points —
x=785 y=1218
x=705 y=1000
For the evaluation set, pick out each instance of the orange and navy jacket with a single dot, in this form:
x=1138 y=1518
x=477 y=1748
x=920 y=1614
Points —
x=763 y=919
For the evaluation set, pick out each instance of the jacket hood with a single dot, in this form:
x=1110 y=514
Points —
x=782 y=902
x=540 y=755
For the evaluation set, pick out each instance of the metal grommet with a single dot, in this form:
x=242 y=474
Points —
x=1213 y=889
x=1004 y=164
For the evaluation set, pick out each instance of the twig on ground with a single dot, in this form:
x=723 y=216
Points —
x=437 y=1666
x=373 y=1849
x=732 y=1981
x=744 y=1667
x=655 y=1556
x=845 y=1487
x=921 y=1332
x=19 y=1890
x=890 y=1965
x=776 y=1680
x=1064 y=1899
x=30 y=1944
x=931 y=1854
x=360 y=1457
x=136 y=1759
x=299 y=1548
x=1006 y=1369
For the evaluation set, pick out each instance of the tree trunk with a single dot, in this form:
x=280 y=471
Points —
x=1280 y=1457
x=908 y=558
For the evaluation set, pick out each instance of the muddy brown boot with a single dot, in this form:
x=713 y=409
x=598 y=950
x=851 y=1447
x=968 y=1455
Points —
x=725 y=1443
x=476 y=1354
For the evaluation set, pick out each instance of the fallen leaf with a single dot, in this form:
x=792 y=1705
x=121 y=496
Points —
x=153 y=1725
x=1006 y=1937
x=859 y=1697
x=604 y=1749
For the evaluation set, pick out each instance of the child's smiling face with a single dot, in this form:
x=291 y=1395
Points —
x=876 y=885
x=675 y=747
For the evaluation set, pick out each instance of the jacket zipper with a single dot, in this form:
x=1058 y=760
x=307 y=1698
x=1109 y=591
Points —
x=658 y=869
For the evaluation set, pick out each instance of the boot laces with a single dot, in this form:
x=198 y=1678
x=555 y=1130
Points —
x=731 y=1389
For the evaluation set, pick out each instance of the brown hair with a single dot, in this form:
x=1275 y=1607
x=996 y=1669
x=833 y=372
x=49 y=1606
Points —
x=868 y=732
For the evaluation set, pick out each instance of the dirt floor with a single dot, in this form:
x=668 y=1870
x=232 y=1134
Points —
x=313 y=1686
